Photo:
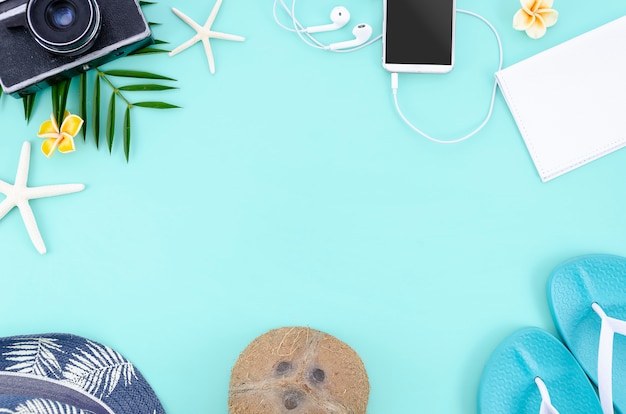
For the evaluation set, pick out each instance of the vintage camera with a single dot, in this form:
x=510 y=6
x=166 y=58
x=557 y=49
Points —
x=43 y=42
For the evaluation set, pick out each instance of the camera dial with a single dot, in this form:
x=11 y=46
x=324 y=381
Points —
x=64 y=27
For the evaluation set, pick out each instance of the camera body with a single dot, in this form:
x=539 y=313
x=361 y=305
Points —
x=43 y=42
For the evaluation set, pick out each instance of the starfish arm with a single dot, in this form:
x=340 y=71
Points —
x=185 y=45
x=209 y=55
x=195 y=26
x=6 y=206
x=52 y=190
x=22 y=169
x=31 y=226
x=213 y=15
x=226 y=36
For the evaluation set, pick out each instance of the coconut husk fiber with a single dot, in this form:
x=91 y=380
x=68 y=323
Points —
x=297 y=370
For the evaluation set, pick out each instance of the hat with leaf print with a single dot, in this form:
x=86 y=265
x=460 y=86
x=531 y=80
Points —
x=67 y=374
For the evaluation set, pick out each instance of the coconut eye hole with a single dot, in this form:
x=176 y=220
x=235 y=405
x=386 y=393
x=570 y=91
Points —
x=283 y=367
x=292 y=399
x=318 y=375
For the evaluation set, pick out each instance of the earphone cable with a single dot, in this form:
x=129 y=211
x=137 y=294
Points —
x=316 y=43
x=277 y=20
x=394 y=88
x=297 y=27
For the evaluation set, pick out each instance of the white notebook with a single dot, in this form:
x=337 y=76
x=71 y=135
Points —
x=569 y=102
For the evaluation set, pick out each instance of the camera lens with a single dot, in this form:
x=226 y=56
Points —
x=61 y=15
x=65 y=27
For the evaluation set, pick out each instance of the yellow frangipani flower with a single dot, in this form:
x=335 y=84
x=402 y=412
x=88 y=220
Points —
x=62 y=138
x=535 y=17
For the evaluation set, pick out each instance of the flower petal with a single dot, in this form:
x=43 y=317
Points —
x=71 y=124
x=54 y=122
x=546 y=4
x=527 y=5
x=47 y=129
x=522 y=20
x=49 y=146
x=530 y=6
x=549 y=16
x=537 y=29
x=50 y=135
x=67 y=144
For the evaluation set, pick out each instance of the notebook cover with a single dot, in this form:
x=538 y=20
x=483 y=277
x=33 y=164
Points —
x=569 y=101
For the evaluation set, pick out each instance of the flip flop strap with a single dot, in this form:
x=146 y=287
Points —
x=546 y=405
x=608 y=329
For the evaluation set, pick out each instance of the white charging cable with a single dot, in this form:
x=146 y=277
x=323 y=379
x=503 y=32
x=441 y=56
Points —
x=394 y=88
x=307 y=37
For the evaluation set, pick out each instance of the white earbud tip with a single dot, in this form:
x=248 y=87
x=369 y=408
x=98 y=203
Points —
x=340 y=14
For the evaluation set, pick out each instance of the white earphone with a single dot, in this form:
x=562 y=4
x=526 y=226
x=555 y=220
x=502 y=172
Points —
x=362 y=34
x=340 y=16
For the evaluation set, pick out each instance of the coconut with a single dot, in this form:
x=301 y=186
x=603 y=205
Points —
x=297 y=370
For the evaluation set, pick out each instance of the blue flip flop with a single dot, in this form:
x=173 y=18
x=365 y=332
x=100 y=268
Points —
x=68 y=374
x=531 y=372
x=587 y=298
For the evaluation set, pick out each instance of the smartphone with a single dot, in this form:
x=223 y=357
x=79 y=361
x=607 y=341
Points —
x=418 y=35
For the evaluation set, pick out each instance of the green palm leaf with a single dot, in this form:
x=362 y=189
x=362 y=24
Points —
x=148 y=51
x=155 y=105
x=59 y=99
x=136 y=74
x=96 y=111
x=29 y=104
x=110 y=130
x=82 y=102
x=146 y=87
x=127 y=133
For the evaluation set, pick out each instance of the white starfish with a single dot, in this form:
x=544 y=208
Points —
x=204 y=33
x=18 y=194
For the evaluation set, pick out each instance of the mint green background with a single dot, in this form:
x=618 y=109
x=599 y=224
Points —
x=288 y=192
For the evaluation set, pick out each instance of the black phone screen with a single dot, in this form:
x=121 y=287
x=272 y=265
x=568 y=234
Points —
x=419 y=32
